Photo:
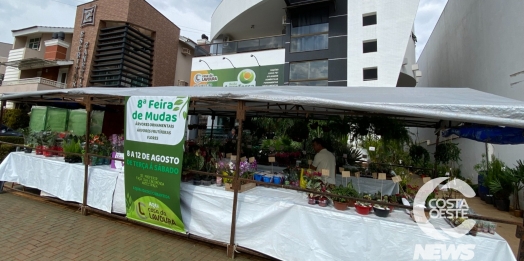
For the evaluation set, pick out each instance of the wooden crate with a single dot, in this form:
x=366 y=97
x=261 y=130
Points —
x=243 y=188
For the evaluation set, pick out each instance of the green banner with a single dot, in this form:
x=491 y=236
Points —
x=270 y=75
x=154 y=149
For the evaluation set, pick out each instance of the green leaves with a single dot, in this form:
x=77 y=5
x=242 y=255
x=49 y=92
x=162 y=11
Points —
x=185 y=115
x=179 y=102
x=176 y=109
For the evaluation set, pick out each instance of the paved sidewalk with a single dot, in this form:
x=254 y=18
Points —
x=34 y=229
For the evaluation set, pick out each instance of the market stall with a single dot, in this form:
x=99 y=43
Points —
x=253 y=211
x=287 y=227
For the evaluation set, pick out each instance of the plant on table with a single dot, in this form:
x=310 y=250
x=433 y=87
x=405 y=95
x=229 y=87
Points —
x=314 y=183
x=28 y=139
x=341 y=203
x=71 y=147
x=50 y=143
x=381 y=210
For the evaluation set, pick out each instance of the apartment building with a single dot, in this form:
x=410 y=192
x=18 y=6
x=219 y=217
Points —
x=114 y=43
x=313 y=42
x=4 y=53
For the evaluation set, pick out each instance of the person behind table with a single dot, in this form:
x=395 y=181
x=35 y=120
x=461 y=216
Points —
x=323 y=159
x=232 y=135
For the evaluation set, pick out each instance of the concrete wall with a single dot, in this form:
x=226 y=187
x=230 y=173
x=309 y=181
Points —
x=183 y=64
x=393 y=32
x=477 y=44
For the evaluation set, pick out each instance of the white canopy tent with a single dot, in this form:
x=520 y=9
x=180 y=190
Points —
x=423 y=107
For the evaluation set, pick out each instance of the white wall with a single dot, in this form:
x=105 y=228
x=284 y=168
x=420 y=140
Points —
x=393 y=31
x=478 y=44
x=240 y=60
x=227 y=11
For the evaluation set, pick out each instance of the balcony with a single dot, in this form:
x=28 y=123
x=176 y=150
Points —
x=241 y=46
x=24 y=53
x=30 y=85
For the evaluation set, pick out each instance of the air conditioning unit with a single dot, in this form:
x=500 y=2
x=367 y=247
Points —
x=186 y=51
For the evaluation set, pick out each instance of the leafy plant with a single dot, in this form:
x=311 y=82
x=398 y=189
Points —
x=517 y=178
x=447 y=152
x=418 y=154
x=499 y=179
x=347 y=191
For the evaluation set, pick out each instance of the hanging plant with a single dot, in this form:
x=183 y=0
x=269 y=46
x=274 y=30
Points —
x=447 y=152
x=418 y=154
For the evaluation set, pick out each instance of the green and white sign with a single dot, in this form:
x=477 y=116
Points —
x=154 y=147
x=270 y=75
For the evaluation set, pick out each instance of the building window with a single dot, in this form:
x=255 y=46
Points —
x=369 y=19
x=369 y=46
x=370 y=74
x=34 y=44
x=309 y=29
x=312 y=73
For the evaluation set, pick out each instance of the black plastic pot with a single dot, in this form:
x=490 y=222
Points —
x=489 y=199
x=502 y=204
x=381 y=212
x=28 y=150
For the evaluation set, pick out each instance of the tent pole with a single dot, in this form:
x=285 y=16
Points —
x=212 y=125
x=2 y=112
x=436 y=145
x=86 y=156
x=236 y=181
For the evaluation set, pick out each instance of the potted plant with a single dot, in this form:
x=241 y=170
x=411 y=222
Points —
x=381 y=211
x=481 y=168
x=50 y=143
x=39 y=140
x=72 y=145
x=500 y=184
x=363 y=208
x=339 y=203
x=517 y=178
x=28 y=139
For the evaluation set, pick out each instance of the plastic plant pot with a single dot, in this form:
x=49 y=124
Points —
x=381 y=212
x=323 y=202
x=362 y=210
x=277 y=180
x=267 y=179
x=340 y=205
x=197 y=182
x=47 y=153
x=311 y=201
x=206 y=182
x=258 y=177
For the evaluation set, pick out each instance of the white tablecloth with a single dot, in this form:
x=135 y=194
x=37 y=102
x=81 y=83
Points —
x=62 y=180
x=276 y=222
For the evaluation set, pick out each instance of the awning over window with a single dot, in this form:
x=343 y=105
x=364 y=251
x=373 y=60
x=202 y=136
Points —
x=36 y=63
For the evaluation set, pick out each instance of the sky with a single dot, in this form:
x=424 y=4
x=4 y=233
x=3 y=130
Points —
x=192 y=16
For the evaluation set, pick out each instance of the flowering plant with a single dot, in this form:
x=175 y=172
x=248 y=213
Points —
x=117 y=142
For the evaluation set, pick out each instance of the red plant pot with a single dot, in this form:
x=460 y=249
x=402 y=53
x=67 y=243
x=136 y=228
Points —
x=39 y=150
x=60 y=149
x=311 y=201
x=362 y=210
x=46 y=152
x=323 y=202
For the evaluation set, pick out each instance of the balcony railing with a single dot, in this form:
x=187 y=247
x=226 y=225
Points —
x=37 y=80
x=241 y=46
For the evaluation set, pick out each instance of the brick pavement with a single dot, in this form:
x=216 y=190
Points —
x=35 y=229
